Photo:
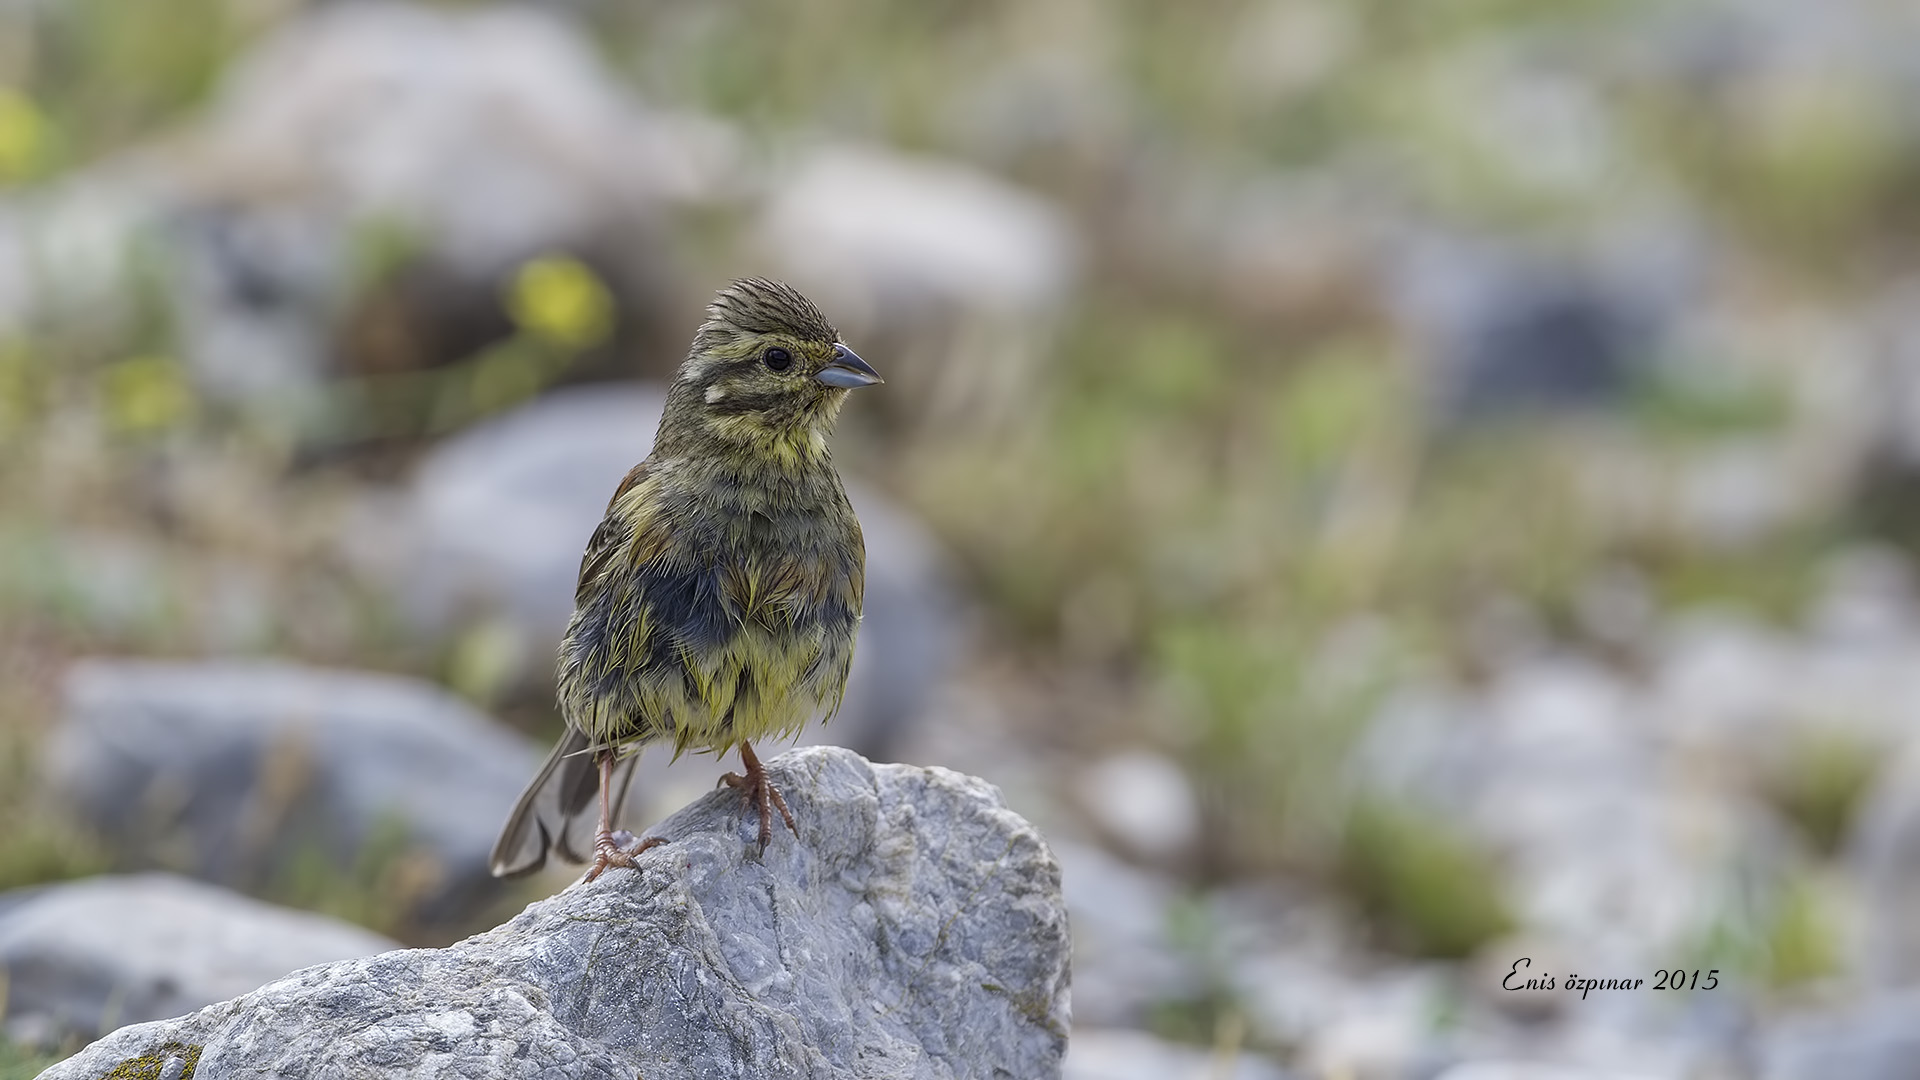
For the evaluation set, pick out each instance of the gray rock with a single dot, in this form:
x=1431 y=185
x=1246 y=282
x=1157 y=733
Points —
x=1145 y=802
x=1875 y=1040
x=1125 y=956
x=1560 y=770
x=355 y=141
x=1343 y=1019
x=884 y=225
x=1499 y=332
x=496 y=131
x=1884 y=855
x=914 y=930
x=1535 y=1070
x=67 y=257
x=497 y=516
x=478 y=138
x=1103 y=1054
x=234 y=770
x=501 y=511
x=85 y=957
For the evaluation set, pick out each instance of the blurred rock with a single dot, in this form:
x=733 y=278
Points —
x=1875 y=1040
x=1497 y=332
x=915 y=929
x=497 y=516
x=1345 y=1018
x=1742 y=693
x=1124 y=958
x=1884 y=855
x=1145 y=801
x=946 y=277
x=67 y=253
x=1106 y=1054
x=16 y=270
x=495 y=131
x=1886 y=419
x=236 y=771
x=85 y=957
x=367 y=179
x=1535 y=1070
x=1605 y=841
x=465 y=142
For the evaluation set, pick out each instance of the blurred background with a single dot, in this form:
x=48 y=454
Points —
x=1390 y=488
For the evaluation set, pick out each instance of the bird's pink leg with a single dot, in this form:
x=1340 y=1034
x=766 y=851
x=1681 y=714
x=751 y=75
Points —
x=607 y=850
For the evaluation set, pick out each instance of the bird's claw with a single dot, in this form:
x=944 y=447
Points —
x=760 y=793
x=618 y=848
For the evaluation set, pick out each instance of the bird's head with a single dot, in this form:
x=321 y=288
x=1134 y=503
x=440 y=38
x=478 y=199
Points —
x=766 y=371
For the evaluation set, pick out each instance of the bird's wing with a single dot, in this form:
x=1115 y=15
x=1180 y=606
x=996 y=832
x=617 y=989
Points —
x=555 y=813
x=613 y=533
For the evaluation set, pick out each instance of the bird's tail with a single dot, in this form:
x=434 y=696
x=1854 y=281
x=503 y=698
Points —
x=557 y=812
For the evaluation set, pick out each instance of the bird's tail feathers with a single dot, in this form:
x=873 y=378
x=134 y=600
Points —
x=558 y=812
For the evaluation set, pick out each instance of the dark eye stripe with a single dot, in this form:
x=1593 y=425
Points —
x=747 y=402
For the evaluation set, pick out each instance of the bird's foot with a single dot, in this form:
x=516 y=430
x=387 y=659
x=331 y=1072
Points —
x=618 y=848
x=758 y=790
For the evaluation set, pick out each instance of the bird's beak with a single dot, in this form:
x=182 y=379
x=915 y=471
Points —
x=848 y=371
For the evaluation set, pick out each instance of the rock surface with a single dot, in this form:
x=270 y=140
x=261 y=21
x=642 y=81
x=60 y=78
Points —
x=914 y=929
x=83 y=957
x=231 y=770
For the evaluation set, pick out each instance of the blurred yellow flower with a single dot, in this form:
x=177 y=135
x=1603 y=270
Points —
x=561 y=299
x=145 y=394
x=22 y=134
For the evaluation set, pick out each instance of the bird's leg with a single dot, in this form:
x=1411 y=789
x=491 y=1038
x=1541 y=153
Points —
x=760 y=794
x=609 y=847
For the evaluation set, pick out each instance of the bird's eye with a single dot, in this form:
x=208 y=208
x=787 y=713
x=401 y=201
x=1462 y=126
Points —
x=777 y=359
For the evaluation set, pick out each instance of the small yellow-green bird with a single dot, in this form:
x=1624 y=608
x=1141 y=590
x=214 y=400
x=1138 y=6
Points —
x=718 y=599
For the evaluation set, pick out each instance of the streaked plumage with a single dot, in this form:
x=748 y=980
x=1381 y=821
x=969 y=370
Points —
x=718 y=599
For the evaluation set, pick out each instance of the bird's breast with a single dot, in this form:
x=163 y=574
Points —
x=739 y=626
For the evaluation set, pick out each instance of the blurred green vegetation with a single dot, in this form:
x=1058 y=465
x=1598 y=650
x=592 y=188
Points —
x=21 y=1063
x=1427 y=887
x=85 y=78
x=1802 y=942
x=38 y=844
x=1820 y=782
x=1211 y=1013
x=1782 y=933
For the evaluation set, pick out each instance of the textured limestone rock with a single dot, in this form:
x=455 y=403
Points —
x=84 y=957
x=913 y=930
x=236 y=770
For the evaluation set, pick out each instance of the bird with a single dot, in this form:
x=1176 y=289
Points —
x=719 y=597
